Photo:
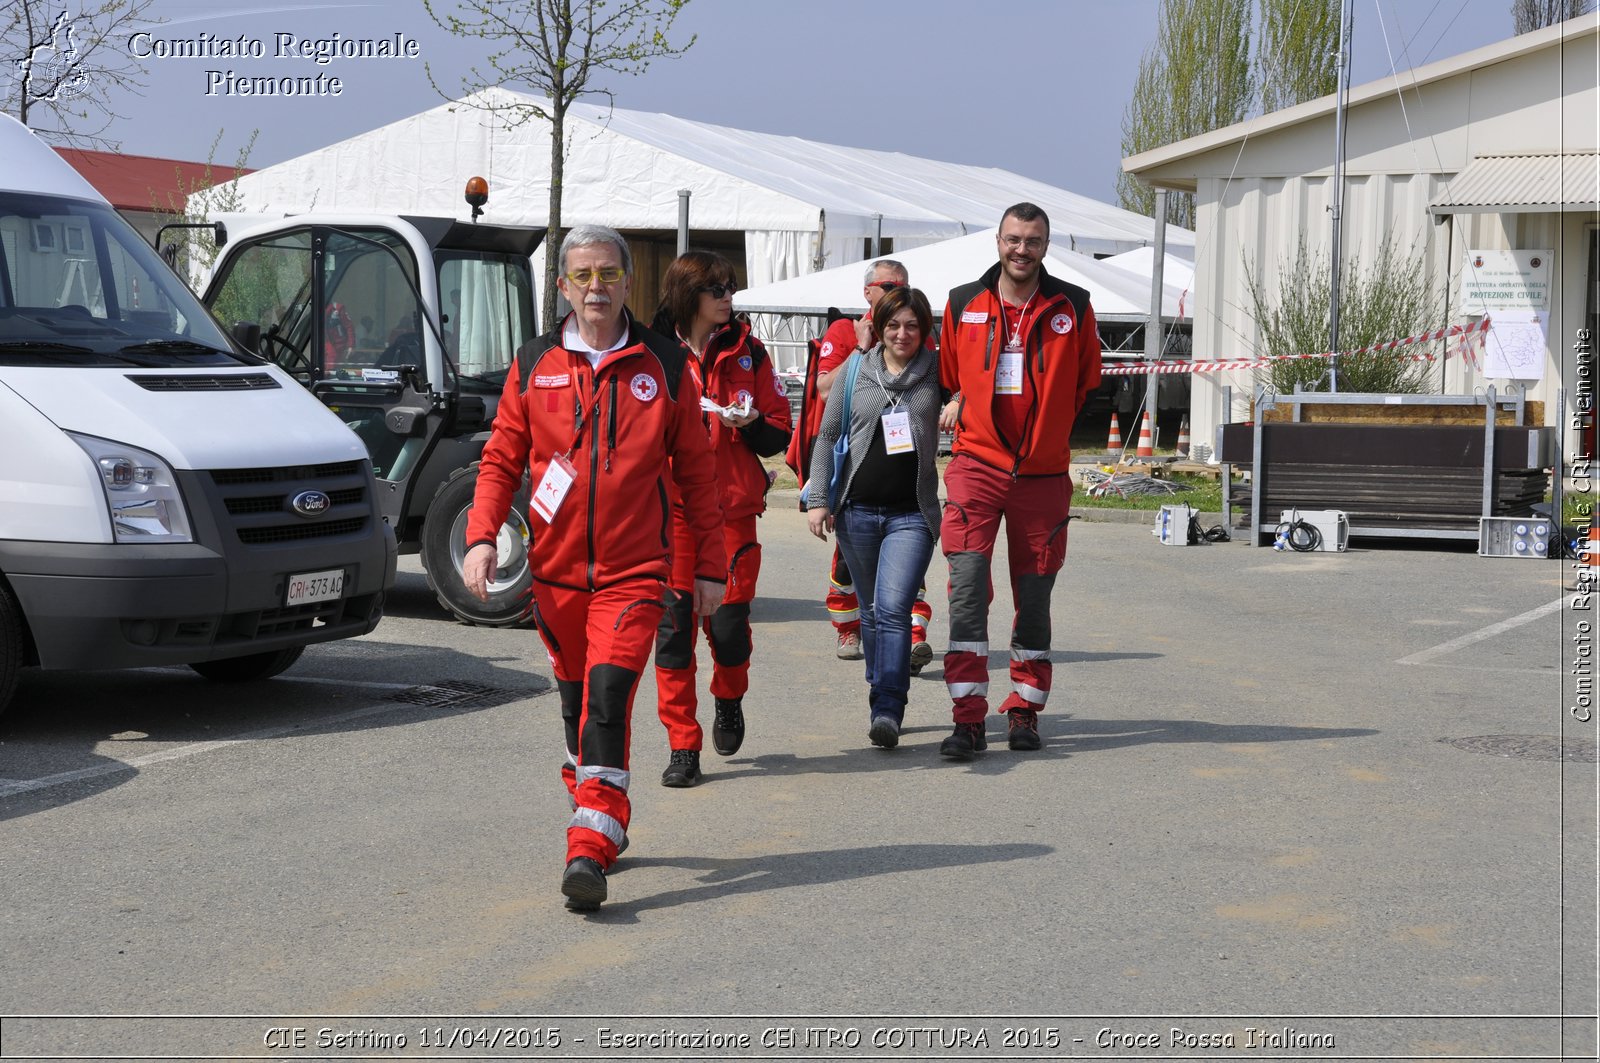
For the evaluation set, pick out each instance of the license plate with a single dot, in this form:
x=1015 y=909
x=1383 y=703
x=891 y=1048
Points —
x=310 y=587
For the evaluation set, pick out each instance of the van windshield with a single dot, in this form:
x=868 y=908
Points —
x=79 y=286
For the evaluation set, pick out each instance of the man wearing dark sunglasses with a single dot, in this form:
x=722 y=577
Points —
x=843 y=338
x=602 y=414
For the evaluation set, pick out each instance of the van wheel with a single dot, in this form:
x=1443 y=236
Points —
x=11 y=647
x=444 y=548
x=250 y=668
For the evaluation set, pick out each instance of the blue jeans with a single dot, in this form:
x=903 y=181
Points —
x=888 y=552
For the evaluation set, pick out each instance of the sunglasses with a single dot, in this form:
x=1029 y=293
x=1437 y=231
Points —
x=609 y=275
x=887 y=286
x=720 y=291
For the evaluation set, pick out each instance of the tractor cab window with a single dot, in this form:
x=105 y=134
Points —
x=486 y=300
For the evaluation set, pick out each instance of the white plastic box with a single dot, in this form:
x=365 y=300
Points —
x=1333 y=525
x=1514 y=537
x=1172 y=524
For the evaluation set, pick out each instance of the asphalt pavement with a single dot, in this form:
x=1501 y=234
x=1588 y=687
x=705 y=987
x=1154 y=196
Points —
x=1296 y=806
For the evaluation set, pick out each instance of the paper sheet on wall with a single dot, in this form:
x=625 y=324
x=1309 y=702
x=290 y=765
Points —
x=1515 y=345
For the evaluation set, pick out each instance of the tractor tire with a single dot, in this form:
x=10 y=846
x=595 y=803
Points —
x=444 y=549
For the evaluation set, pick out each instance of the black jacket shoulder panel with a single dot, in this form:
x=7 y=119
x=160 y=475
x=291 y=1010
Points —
x=961 y=297
x=1079 y=297
x=530 y=354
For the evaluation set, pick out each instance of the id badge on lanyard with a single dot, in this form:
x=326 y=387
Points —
x=1008 y=379
x=553 y=488
x=897 y=432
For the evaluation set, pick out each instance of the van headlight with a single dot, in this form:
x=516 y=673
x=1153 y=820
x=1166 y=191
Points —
x=141 y=492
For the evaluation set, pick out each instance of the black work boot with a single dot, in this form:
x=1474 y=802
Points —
x=683 y=770
x=727 y=730
x=1022 y=729
x=967 y=739
x=583 y=884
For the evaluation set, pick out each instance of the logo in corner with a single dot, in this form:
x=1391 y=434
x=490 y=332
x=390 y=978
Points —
x=1062 y=324
x=53 y=71
x=643 y=387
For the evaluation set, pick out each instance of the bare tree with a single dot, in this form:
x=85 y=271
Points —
x=1195 y=78
x=557 y=48
x=1528 y=15
x=60 y=71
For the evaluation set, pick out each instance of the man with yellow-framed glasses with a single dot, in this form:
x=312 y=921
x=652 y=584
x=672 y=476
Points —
x=599 y=412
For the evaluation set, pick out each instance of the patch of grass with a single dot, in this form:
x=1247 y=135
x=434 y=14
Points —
x=1202 y=493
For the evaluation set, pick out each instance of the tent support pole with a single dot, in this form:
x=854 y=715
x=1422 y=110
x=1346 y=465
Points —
x=1152 y=329
x=683 y=220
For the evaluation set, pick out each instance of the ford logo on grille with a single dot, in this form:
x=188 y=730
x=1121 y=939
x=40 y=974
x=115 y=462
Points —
x=311 y=503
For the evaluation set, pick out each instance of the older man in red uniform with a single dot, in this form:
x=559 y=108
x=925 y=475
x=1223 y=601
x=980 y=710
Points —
x=1020 y=351
x=602 y=413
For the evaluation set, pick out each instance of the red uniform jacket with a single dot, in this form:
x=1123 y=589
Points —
x=1062 y=364
x=735 y=365
x=629 y=428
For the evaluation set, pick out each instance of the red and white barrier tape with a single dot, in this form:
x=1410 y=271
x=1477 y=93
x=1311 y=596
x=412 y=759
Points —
x=1228 y=365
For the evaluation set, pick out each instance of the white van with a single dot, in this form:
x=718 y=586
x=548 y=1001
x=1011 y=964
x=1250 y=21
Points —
x=165 y=497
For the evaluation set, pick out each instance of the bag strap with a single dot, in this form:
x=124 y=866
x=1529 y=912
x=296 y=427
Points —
x=850 y=372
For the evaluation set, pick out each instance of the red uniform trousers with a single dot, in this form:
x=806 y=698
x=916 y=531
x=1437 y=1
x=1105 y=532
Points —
x=598 y=642
x=844 y=609
x=727 y=631
x=1036 y=509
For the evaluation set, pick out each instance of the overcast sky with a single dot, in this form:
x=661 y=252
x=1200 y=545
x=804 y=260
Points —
x=1034 y=86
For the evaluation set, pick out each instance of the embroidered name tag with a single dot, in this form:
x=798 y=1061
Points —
x=553 y=380
x=974 y=317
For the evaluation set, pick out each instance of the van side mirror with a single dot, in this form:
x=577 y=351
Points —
x=248 y=334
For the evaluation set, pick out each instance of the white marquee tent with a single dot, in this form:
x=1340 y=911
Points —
x=1117 y=291
x=799 y=203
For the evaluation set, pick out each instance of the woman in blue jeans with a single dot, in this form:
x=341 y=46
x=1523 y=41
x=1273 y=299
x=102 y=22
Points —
x=888 y=492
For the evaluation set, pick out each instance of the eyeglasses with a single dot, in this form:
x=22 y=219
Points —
x=1032 y=243
x=720 y=291
x=887 y=286
x=608 y=275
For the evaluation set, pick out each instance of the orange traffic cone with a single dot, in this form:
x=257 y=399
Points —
x=1145 y=449
x=1114 y=441
x=1183 y=439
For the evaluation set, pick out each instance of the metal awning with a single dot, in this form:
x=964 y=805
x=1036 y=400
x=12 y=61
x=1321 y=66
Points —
x=1523 y=184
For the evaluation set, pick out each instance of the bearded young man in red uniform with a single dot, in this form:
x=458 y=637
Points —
x=735 y=373
x=844 y=338
x=603 y=414
x=1021 y=353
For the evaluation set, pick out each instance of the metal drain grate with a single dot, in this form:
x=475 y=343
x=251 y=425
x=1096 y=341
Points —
x=462 y=692
x=1530 y=747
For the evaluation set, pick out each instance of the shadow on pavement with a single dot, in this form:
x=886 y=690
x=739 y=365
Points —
x=1063 y=737
x=724 y=878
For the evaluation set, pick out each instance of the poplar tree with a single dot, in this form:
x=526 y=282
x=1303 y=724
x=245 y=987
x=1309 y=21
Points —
x=1297 y=52
x=558 y=49
x=1195 y=77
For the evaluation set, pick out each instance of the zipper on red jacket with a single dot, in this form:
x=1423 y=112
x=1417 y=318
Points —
x=1029 y=422
x=611 y=424
x=594 y=472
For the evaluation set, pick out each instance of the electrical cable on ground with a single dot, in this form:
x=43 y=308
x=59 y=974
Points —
x=1297 y=535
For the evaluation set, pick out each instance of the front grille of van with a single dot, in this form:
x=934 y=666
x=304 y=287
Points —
x=258 y=503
